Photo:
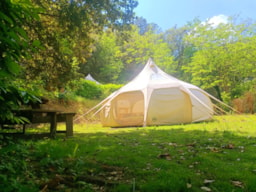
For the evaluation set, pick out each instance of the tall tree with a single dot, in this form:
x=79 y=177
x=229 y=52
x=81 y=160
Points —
x=144 y=26
x=224 y=59
x=105 y=63
x=137 y=49
x=66 y=30
x=180 y=49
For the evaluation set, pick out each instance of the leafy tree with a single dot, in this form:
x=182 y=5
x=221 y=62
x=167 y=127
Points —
x=14 y=44
x=137 y=49
x=144 y=26
x=180 y=49
x=117 y=58
x=67 y=31
x=105 y=63
x=224 y=59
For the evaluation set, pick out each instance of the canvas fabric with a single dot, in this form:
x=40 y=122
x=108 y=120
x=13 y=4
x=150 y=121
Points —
x=155 y=98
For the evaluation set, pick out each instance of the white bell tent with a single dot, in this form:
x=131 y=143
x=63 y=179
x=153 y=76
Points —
x=155 y=98
x=90 y=78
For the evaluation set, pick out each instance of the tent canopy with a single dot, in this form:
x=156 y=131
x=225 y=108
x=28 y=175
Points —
x=90 y=78
x=155 y=98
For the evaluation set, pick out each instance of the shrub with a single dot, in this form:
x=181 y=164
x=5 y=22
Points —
x=107 y=89
x=245 y=103
x=89 y=89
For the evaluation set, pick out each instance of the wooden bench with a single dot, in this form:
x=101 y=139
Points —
x=46 y=116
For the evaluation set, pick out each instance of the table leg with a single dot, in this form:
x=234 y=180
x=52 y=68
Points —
x=53 y=124
x=23 y=128
x=69 y=125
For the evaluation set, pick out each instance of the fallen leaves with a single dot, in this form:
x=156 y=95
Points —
x=165 y=156
x=173 y=144
x=108 y=176
x=189 y=185
x=191 y=144
x=237 y=184
x=190 y=150
x=193 y=164
x=208 y=181
x=206 y=189
x=214 y=149
x=228 y=146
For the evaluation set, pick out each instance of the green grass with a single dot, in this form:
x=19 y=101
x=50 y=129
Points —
x=217 y=156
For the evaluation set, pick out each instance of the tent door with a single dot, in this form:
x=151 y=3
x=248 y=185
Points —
x=169 y=106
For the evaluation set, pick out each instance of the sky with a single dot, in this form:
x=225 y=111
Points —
x=168 y=13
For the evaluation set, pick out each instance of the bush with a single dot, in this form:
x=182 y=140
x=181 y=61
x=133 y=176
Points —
x=246 y=103
x=107 y=89
x=91 y=90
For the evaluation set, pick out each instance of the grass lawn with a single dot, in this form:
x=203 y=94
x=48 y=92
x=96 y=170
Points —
x=210 y=156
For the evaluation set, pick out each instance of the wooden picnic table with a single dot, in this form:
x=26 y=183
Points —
x=47 y=116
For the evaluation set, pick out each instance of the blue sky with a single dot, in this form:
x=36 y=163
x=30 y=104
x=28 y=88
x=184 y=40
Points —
x=168 y=13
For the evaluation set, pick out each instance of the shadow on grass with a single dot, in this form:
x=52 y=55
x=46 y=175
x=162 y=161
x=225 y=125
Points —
x=176 y=159
x=164 y=158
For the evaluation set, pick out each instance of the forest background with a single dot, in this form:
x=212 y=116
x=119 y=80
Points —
x=48 y=47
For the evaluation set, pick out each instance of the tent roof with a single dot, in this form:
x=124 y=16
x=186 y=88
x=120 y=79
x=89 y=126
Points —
x=152 y=77
x=90 y=78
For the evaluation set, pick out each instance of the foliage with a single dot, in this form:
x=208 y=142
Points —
x=14 y=45
x=108 y=89
x=246 y=103
x=14 y=40
x=192 y=157
x=136 y=51
x=219 y=58
x=118 y=58
x=15 y=167
x=144 y=27
x=224 y=57
x=91 y=90
x=180 y=49
x=47 y=46
x=13 y=97
x=105 y=63
x=66 y=30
